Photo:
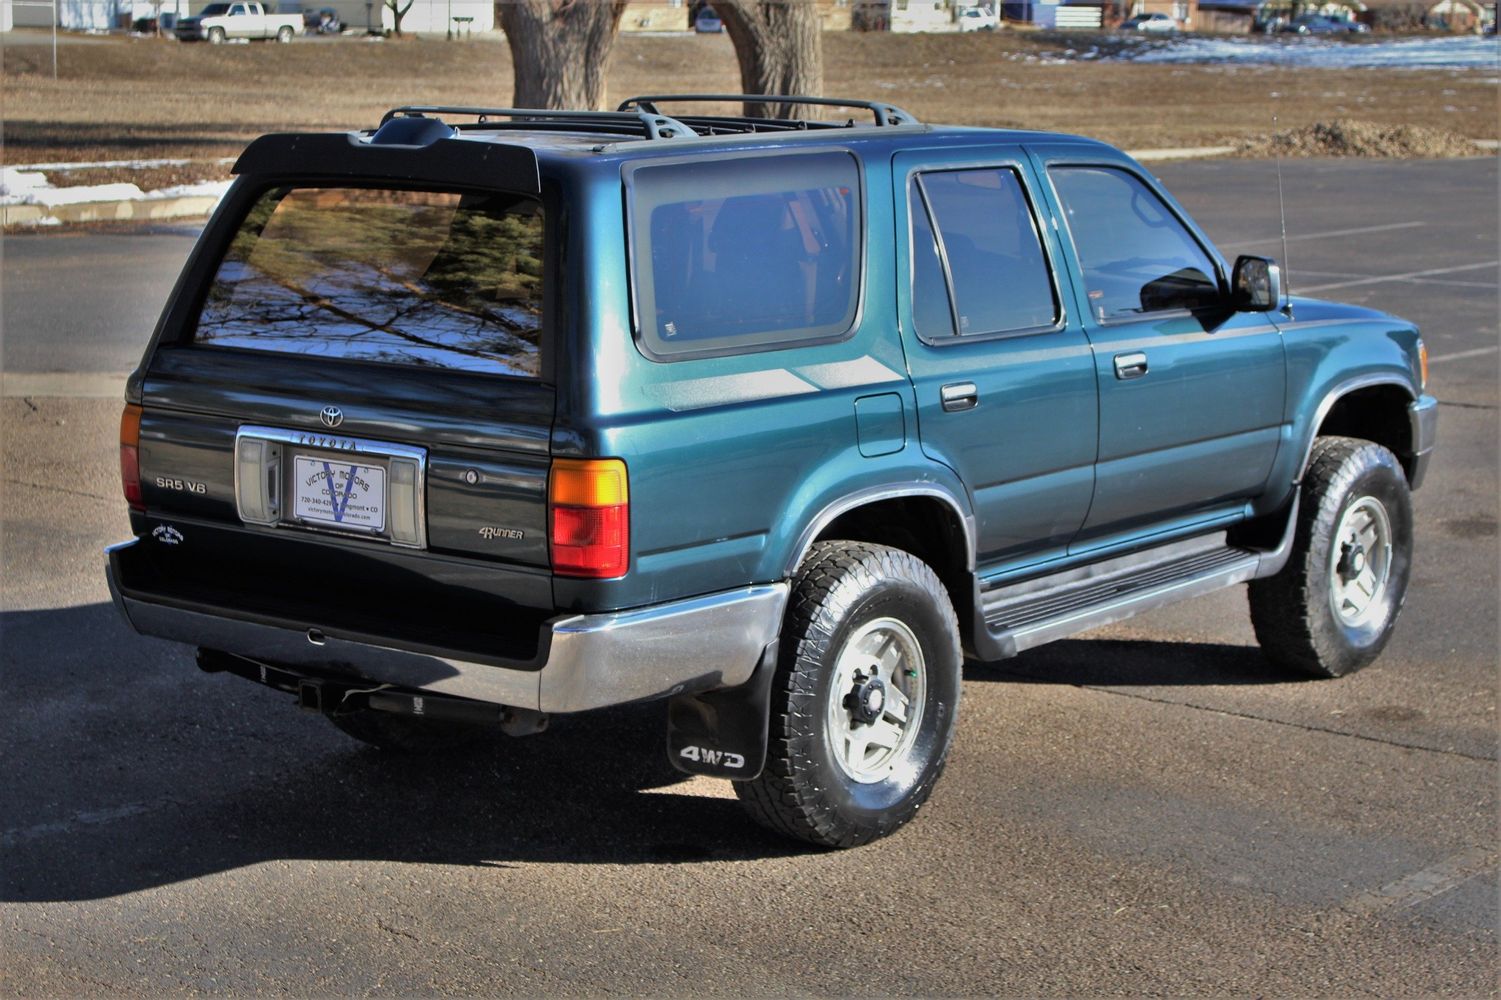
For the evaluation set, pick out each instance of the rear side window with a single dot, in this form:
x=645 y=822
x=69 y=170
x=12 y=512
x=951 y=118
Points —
x=986 y=269
x=431 y=279
x=1136 y=256
x=744 y=253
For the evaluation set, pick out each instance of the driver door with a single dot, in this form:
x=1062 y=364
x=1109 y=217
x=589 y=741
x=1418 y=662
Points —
x=1191 y=394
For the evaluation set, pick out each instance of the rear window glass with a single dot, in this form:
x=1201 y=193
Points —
x=745 y=253
x=432 y=279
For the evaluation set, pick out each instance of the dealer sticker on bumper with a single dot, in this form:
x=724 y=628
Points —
x=339 y=494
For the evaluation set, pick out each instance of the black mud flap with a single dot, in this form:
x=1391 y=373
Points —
x=723 y=733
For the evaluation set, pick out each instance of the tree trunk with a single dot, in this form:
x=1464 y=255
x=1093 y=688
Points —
x=560 y=50
x=398 y=11
x=779 y=45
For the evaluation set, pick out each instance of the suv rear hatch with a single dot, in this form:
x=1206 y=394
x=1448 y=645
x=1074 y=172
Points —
x=345 y=420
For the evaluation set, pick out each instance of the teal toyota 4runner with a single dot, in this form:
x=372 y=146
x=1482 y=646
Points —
x=484 y=415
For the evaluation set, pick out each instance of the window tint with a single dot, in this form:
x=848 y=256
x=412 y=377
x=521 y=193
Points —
x=995 y=262
x=403 y=277
x=1136 y=256
x=745 y=252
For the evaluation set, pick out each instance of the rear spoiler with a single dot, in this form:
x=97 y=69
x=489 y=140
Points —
x=460 y=162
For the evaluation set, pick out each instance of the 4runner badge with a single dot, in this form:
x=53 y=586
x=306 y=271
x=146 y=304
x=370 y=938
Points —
x=511 y=534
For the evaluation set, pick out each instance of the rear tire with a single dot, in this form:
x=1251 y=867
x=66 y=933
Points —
x=406 y=735
x=1332 y=608
x=864 y=699
x=284 y=35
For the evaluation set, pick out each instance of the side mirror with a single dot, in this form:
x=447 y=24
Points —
x=1256 y=285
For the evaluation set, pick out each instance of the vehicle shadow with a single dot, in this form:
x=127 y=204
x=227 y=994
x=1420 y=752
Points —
x=130 y=769
x=1135 y=663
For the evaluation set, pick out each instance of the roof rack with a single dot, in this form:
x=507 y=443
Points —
x=643 y=122
x=884 y=114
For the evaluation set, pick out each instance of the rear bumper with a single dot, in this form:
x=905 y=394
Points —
x=586 y=661
x=1423 y=415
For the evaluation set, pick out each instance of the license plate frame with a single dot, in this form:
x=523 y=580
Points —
x=267 y=462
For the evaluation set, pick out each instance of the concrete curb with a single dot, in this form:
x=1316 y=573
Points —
x=137 y=210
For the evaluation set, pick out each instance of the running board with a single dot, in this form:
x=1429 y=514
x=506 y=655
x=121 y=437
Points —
x=1022 y=615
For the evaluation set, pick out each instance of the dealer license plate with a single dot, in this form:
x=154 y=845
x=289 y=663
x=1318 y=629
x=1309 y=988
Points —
x=339 y=494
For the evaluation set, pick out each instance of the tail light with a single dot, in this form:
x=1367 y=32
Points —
x=130 y=456
x=590 y=517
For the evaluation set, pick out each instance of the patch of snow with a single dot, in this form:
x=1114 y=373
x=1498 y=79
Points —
x=1322 y=53
x=30 y=187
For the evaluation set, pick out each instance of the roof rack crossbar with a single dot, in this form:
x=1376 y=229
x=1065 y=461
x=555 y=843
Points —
x=883 y=113
x=645 y=122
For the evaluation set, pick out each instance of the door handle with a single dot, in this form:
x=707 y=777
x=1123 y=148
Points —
x=1129 y=366
x=960 y=396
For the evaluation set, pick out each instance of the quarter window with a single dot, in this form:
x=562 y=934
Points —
x=745 y=253
x=1136 y=256
x=985 y=271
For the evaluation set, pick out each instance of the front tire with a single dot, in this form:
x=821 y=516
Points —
x=216 y=36
x=864 y=699
x=1332 y=608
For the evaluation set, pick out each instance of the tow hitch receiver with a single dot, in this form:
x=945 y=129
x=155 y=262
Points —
x=337 y=697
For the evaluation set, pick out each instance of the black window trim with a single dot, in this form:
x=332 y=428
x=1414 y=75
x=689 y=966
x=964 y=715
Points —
x=1060 y=304
x=628 y=193
x=1188 y=227
x=180 y=328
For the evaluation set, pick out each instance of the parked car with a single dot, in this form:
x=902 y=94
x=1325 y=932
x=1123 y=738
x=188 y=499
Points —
x=1321 y=24
x=707 y=22
x=323 y=21
x=220 y=22
x=978 y=19
x=484 y=415
x=1158 y=23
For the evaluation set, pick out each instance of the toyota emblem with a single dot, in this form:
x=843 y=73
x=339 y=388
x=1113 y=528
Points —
x=331 y=416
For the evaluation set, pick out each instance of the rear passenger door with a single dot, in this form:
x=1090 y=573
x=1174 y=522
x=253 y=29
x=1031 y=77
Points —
x=1003 y=371
x=1191 y=393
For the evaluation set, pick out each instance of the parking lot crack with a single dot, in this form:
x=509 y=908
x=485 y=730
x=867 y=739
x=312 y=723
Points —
x=1304 y=726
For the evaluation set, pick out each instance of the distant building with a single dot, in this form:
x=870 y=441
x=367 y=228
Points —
x=1185 y=12
x=1088 y=15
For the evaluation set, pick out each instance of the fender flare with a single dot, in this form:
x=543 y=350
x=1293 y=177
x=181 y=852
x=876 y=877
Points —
x=876 y=494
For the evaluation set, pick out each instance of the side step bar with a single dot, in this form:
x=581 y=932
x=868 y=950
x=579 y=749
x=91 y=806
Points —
x=1022 y=615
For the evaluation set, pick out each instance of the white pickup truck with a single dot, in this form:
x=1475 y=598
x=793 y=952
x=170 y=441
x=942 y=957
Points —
x=219 y=22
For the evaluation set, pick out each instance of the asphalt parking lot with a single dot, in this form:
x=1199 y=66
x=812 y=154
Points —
x=1147 y=809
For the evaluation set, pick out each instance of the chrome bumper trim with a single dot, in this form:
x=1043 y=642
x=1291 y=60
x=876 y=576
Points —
x=594 y=660
x=1423 y=415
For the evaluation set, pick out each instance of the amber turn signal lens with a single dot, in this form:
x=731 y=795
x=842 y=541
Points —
x=1422 y=365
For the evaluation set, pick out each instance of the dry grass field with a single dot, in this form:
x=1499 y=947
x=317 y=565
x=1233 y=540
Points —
x=121 y=97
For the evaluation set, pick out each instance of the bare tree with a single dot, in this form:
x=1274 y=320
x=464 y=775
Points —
x=560 y=50
x=779 y=46
x=398 y=11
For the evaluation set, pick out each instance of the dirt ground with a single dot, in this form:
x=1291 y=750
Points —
x=149 y=98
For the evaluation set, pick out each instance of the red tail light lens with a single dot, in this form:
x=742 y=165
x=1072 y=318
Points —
x=130 y=458
x=590 y=518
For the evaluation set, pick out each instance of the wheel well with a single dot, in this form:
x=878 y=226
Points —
x=924 y=526
x=1378 y=414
